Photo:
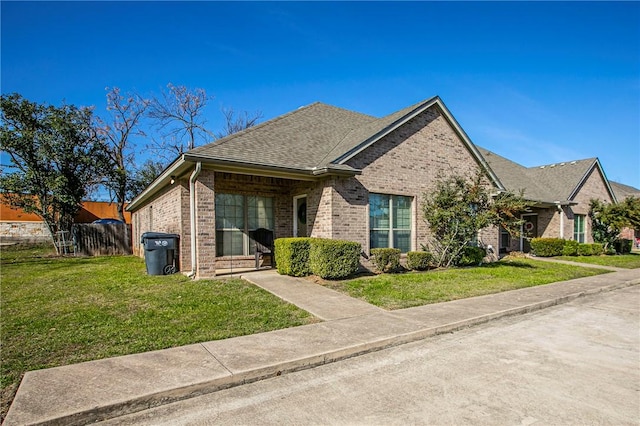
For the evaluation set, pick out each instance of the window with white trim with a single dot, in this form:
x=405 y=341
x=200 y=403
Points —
x=390 y=222
x=578 y=228
x=237 y=217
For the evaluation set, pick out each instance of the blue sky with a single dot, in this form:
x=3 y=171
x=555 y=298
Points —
x=538 y=82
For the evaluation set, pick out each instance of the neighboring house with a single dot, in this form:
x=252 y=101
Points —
x=323 y=171
x=561 y=193
x=623 y=191
x=19 y=226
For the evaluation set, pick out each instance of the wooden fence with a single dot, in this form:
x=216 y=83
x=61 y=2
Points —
x=96 y=239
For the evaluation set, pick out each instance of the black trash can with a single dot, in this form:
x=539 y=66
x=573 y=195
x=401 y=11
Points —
x=160 y=252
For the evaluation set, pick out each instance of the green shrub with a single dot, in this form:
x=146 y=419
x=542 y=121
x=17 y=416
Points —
x=597 y=249
x=623 y=246
x=585 y=250
x=419 y=260
x=472 y=256
x=385 y=259
x=334 y=259
x=292 y=256
x=570 y=248
x=547 y=247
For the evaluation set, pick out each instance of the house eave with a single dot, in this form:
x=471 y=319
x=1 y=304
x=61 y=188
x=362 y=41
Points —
x=271 y=170
x=545 y=204
x=175 y=169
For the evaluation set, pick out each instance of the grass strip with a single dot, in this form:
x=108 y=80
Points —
x=398 y=291
x=628 y=261
x=58 y=311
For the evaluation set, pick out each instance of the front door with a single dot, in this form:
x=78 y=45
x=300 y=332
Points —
x=529 y=231
x=300 y=216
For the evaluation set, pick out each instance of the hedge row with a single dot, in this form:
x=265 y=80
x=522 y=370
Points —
x=547 y=247
x=331 y=259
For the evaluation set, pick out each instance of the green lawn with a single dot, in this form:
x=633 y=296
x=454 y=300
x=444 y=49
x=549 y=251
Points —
x=629 y=261
x=397 y=291
x=58 y=311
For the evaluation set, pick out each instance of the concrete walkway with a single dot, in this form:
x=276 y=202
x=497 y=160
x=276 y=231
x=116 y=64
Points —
x=103 y=389
x=320 y=301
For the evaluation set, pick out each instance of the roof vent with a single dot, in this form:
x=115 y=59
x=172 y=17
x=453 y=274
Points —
x=553 y=165
x=562 y=164
x=542 y=167
x=573 y=162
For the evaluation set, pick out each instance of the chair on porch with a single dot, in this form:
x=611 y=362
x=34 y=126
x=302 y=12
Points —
x=264 y=244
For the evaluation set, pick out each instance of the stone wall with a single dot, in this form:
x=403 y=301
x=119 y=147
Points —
x=24 y=233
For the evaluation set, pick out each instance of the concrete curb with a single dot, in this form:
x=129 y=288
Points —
x=227 y=378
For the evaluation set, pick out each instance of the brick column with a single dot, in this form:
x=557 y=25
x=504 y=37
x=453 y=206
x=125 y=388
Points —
x=206 y=225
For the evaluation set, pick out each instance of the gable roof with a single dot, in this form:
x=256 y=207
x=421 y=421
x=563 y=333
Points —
x=318 y=138
x=623 y=191
x=548 y=184
x=300 y=139
x=311 y=141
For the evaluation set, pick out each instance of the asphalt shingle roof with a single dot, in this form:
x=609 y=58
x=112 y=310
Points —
x=310 y=137
x=301 y=139
x=623 y=191
x=549 y=183
x=319 y=136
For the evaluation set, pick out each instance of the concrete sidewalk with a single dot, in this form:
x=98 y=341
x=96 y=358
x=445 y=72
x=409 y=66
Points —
x=320 y=301
x=97 y=390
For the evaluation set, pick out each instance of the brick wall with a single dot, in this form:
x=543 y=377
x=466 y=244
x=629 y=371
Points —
x=406 y=162
x=593 y=187
x=162 y=214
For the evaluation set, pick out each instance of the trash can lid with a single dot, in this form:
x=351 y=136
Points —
x=150 y=235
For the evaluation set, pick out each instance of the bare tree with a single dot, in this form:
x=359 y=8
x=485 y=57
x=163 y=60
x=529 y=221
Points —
x=234 y=124
x=179 y=114
x=125 y=111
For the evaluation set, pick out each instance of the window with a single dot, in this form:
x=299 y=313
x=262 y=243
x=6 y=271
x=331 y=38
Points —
x=578 y=228
x=505 y=240
x=390 y=221
x=237 y=216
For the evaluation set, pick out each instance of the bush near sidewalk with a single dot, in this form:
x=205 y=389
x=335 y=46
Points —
x=292 y=256
x=385 y=259
x=332 y=259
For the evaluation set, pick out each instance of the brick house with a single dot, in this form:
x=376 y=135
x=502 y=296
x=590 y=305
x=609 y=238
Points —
x=561 y=193
x=318 y=171
x=327 y=172
x=624 y=191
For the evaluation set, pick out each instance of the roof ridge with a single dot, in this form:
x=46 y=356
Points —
x=232 y=136
x=591 y=159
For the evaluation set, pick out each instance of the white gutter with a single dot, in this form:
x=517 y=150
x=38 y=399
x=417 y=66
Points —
x=192 y=212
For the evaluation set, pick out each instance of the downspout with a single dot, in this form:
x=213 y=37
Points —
x=192 y=212
x=561 y=212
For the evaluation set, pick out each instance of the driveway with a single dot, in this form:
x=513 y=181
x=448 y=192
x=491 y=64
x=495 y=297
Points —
x=577 y=363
